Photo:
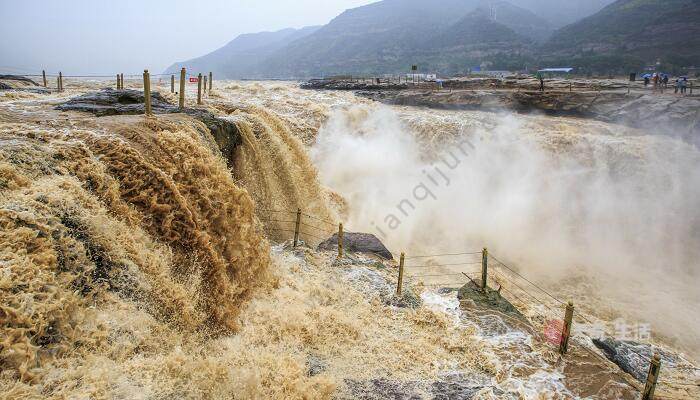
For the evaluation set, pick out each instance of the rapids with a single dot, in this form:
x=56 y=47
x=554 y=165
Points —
x=135 y=260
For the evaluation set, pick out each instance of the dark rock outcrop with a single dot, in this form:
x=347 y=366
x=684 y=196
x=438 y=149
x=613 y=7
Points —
x=454 y=386
x=383 y=389
x=459 y=386
x=117 y=102
x=633 y=357
x=131 y=102
x=487 y=298
x=354 y=84
x=357 y=243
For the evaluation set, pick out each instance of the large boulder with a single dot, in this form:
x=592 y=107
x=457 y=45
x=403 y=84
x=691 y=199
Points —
x=358 y=243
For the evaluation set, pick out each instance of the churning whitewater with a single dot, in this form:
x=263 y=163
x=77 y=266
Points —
x=141 y=260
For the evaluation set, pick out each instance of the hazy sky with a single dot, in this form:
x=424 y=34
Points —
x=105 y=36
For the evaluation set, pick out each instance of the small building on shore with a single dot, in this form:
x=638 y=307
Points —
x=551 y=72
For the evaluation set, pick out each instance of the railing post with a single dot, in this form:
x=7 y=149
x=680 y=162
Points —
x=340 y=240
x=566 y=329
x=211 y=81
x=118 y=82
x=399 y=285
x=172 y=83
x=43 y=75
x=199 y=89
x=60 y=81
x=484 y=267
x=652 y=378
x=147 y=92
x=182 y=88
x=205 y=84
x=296 y=228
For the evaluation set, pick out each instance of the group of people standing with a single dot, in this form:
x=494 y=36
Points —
x=681 y=85
x=661 y=82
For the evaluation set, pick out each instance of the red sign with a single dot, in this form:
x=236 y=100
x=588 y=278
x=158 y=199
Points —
x=193 y=80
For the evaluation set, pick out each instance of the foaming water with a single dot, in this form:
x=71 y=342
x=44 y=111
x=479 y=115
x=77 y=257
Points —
x=273 y=165
x=133 y=265
x=129 y=215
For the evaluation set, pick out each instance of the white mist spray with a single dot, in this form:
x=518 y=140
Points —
x=555 y=200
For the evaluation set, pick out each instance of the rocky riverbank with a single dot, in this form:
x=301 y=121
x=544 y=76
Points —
x=612 y=101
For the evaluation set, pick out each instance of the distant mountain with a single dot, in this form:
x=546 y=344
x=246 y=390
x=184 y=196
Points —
x=522 y=21
x=241 y=56
x=562 y=12
x=450 y=36
x=630 y=33
x=368 y=39
x=477 y=28
x=476 y=39
x=391 y=35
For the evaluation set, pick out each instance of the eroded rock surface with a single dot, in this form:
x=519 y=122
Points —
x=633 y=357
x=358 y=243
x=20 y=83
x=487 y=298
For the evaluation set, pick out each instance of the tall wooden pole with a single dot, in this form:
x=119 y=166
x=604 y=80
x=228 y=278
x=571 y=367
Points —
x=147 y=91
x=182 y=88
x=199 y=89
x=172 y=83
x=296 y=228
x=566 y=330
x=399 y=285
x=484 y=268
x=340 y=240
x=43 y=75
x=652 y=378
x=211 y=81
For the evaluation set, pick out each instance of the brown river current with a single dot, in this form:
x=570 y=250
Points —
x=138 y=262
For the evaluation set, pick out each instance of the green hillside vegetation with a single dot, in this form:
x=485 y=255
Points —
x=629 y=34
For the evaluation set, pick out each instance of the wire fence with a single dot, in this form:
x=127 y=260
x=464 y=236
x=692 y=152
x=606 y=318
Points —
x=511 y=284
x=56 y=80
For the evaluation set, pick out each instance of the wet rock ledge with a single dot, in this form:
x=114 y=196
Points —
x=20 y=83
x=132 y=102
